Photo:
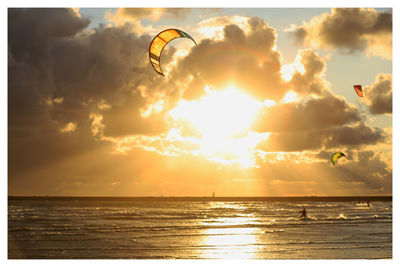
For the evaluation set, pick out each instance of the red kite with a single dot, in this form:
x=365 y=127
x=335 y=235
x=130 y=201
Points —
x=359 y=91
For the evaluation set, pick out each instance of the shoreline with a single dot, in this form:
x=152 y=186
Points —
x=228 y=199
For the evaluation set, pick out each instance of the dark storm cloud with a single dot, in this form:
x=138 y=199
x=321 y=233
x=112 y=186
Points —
x=378 y=96
x=50 y=60
x=354 y=136
x=357 y=135
x=246 y=59
x=31 y=34
x=352 y=29
x=100 y=64
x=106 y=65
x=110 y=65
x=313 y=114
x=59 y=73
x=32 y=31
x=24 y=97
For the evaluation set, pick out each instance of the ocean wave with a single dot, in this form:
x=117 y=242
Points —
x=158 y=218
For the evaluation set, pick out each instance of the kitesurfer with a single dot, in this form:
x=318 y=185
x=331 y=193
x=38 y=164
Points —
x=303 y=213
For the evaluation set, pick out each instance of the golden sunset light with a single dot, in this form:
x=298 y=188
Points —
x=219 y=114
x=222 y=119
x=228 y=96
x=200 y=133
x=219 y=88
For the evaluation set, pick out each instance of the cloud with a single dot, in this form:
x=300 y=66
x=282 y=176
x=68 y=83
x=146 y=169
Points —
x=354 y=136
x=349 y=30
x=59 y=73
x=127 y=119
x=133 y=15
x=213 y=28
x=164 y=144
x=371 y=169
x=100 y=80
x=69 y=127
x=99 y=63
x=308 y=75
x=245 y=57
x=357 y=135
x=106 y=70
x=31 y=35
x=67 y=75
x=365 y=173
x=378 y=96
x=306 y=115
x=32 y=31
x=299 y=141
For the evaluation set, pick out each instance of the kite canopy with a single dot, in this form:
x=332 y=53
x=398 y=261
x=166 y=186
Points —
x=336 y=156
x=160 y=41
x=359 y=91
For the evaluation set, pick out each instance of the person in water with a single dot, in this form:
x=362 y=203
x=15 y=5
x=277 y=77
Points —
x=303 y=213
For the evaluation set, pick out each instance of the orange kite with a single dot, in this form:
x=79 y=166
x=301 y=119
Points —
x=359 y=91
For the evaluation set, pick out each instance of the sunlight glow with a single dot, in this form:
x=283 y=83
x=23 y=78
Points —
x=214 y=32
x=269 y=103
x=156 y=107
x=290 y=97
x=287 y=71
x=220 y=113
x=232 y=150
x=223 y=119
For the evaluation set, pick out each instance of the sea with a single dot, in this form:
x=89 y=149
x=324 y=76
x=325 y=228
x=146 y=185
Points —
x=199 y=228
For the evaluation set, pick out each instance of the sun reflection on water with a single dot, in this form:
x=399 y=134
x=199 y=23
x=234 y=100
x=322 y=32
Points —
x=233 y=237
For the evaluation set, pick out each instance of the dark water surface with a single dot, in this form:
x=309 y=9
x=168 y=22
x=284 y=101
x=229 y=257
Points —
x=153 y=228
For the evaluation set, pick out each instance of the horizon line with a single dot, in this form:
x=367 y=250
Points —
x=202 y=197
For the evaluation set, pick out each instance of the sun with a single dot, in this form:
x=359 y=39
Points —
x=223 y=118
x=222 y=113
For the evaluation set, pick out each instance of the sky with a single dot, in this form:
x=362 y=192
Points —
x=256 y=108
